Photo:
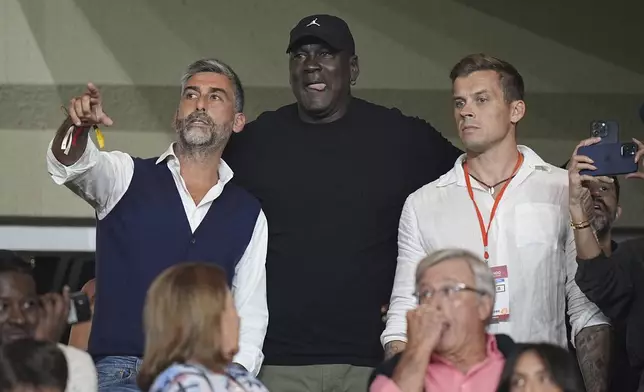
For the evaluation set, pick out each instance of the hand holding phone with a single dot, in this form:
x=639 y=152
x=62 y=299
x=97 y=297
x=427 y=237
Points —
x=610 y=159
x=52 y=317
x=57 y=311
x=580 y=164
x=639 y=160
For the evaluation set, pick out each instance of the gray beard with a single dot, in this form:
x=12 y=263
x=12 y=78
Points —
x=218 y=136
x=601 y=226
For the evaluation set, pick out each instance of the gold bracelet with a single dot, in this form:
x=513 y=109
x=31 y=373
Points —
x=580 y=225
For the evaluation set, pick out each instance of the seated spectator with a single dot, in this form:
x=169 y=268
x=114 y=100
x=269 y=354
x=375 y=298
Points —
x=448 y=348
x=28 y=365
x=540 y=368
x=26 y=315
x=192 y=333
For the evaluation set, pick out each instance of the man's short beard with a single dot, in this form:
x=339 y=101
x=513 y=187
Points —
x=218 y=134
x=601 y=226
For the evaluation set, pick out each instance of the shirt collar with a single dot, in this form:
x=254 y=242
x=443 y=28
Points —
x=492 y=350
x=531 y=162
x=225 y=172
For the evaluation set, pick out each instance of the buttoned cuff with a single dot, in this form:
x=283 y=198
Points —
x=393 y=337
x=62 y=174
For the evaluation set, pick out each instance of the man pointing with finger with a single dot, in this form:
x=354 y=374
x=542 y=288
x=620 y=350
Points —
x=153 y=213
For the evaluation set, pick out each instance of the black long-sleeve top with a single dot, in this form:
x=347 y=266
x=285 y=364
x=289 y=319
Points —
x=616 y=284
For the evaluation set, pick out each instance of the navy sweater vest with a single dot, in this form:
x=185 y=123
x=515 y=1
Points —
x=147 y=232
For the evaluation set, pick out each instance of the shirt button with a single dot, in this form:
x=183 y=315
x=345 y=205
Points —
x=192 y=241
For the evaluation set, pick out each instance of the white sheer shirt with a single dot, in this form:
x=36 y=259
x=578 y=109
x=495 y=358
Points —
x=530 y=234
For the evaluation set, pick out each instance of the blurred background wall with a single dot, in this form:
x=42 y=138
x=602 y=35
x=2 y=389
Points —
x=581 y=61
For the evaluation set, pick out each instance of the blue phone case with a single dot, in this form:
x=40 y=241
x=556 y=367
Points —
x=612 y=131
x=609 y=159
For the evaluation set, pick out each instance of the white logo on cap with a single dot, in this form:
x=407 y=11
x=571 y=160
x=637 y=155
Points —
x=314 y=22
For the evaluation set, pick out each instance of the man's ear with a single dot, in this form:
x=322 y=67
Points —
x=239 y=122
x=355 y=69
x=618 y=212
x=518 y=111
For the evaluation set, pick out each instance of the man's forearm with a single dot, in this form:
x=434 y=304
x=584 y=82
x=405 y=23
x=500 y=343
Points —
x=585 y=240
x=394 y=347
x=593 y=354
x=76 y=151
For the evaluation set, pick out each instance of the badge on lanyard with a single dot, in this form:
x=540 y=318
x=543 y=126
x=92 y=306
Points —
x=500 y=273
x=502 y=303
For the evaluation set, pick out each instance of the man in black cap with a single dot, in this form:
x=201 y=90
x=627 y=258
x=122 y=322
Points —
x=332 y=172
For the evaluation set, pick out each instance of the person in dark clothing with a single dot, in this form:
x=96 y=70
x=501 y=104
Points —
x=610 y=274
x=332 y=173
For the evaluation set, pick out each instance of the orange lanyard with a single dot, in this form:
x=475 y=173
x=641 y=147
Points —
x=484 y=232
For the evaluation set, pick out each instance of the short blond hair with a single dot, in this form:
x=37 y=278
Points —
x=182 y=317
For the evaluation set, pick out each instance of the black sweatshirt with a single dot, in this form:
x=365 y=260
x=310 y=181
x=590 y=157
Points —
x=332 y=194
x=616 y=284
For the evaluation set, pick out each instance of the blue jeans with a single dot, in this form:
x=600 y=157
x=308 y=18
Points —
x=118 y=374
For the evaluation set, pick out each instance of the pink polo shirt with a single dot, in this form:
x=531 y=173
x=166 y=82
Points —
x=444 y=377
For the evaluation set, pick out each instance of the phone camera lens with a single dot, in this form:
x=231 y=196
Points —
x=629 y=149
x=599 y=129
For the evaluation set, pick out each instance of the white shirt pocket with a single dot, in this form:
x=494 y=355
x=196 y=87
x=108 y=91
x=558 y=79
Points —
x=537 y=224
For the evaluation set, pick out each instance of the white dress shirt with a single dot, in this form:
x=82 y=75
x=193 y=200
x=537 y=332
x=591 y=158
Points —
x=530 y=234
x=82 y=372
x=102 y=178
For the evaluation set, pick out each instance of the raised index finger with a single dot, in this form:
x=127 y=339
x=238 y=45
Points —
x=93 y=90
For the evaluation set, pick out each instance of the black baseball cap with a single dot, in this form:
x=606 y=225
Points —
x=330 y=29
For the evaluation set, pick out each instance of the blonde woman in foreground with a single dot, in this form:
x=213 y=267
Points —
x=191 y=334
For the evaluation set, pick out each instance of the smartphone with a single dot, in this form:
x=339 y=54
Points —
x=79 y=308
x=608 y=131
x=611 y=159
